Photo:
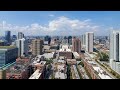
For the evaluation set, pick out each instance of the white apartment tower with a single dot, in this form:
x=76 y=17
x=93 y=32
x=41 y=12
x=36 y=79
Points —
x=115 y=51
x=22 y=46
x=83 y=40
x=20 y=35
x=89 y=41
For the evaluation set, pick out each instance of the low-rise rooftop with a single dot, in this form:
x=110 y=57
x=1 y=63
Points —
x=35 y=75
x=7 y=47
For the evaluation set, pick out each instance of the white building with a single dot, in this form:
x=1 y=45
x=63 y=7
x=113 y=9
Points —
x=115 y=51
x=22 y=46
x=20 y=35
x=89 y=41
x=83 y=40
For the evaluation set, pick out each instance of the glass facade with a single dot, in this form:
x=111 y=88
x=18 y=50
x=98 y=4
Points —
x=8 y=56
x=2 y=58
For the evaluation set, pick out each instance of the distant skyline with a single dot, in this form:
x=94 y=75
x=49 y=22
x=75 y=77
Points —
x=59 y=22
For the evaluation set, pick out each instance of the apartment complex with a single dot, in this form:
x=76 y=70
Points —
x=19 y=70
x=65 y=51
x=40 y=70
x=89 y=41
x=115 y=51
x=37 y=47
x=94 y=70
x=76 y=44
x=22 y=45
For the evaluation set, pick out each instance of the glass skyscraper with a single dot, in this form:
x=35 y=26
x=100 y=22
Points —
x=8 y=36
x=8 y=54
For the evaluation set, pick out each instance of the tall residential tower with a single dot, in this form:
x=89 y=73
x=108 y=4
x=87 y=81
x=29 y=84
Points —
x=115 y=51
x=76 y=44
x=22 y=45
x=89 y=41
x=37 y=47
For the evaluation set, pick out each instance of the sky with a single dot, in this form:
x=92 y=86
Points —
x=59 y=22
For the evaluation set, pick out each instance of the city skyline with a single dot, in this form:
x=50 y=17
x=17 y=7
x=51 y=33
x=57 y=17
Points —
x=59 y=22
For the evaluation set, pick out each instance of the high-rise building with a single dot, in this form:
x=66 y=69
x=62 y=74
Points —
x=83 y=40
x=14 y=37
x=8 y=54
x=76 y=43
x=8 y=37
x=37 y=47
x=22 y=45
x=89 y=41
x=115 y=51
x=70 y=40
x=47 y=38
x=20 y=35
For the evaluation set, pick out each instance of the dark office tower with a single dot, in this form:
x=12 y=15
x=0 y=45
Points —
x=70 y=40
x=20 y=35
x=47 y=38
x=14 y=37
x=8 y=37
x=76 y=44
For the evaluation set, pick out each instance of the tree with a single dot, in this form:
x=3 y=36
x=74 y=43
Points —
x=81 y=63
x=104 y=57
x=49 y=61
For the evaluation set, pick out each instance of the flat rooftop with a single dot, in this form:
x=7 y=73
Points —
x=76 y=55
x=61 y=61
x=35 y=75
x=59 y=75
x=102 y=74
x=7 y=47
x=65 y=48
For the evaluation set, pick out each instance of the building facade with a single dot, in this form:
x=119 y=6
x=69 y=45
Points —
x=37 y=47
x=76 y=43
x=89 y=41
x=8 y=54
x=115 y=51
x=22 y=45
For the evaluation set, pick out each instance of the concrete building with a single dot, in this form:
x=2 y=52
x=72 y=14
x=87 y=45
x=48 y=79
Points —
x=115 y=51
x=74 y=72
x=76 y=43
x=89 y=41
x=8 y=54
x=71 y=61
x=65 y=51
x=60 y=72
x=19 y=70
x=40 y=70
x=94 y=70
x=76 y=55
x=2 y=74
x=20 y=35
x=83 y=42
x=37 y=47
x=22 y=45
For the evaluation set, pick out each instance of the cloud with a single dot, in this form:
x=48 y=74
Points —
x=51 y=15
x=59 y=26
